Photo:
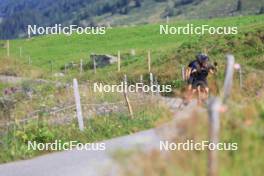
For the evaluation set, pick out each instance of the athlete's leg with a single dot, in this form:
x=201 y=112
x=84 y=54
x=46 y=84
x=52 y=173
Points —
x=206 y=92
x=194 y=90
x=199 y=94
x=189 y=87
x=189 y=92
x=206 y=88
x=190 y=82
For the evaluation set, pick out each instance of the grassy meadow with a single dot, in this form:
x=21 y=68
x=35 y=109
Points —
x=243 y=123
x=63 y=49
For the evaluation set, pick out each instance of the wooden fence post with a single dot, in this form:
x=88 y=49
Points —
x=125 y=80
x=214 y=127
x=214 y=107
x=118 y=61
x=151 y=82
x=141 y=79
x=228 y=77
x=78 y=104
x=8 y=48
x=94 y=65
x=127 y=99
x=238 y=67
x=149 y=62
x=157 y=85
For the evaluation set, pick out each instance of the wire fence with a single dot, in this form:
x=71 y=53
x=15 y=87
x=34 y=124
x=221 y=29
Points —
x=102 y=108
x=96 y=108
x=67 y=112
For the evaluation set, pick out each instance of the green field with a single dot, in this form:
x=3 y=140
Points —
x=242 y=123
x=64 y=49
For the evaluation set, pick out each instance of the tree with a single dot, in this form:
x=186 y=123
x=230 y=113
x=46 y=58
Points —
x=137 y=3
x=169 y=11
x=124 y=11
x=239 y=5
x=261 y=11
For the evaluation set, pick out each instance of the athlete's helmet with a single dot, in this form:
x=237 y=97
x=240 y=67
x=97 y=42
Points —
x=202 y=58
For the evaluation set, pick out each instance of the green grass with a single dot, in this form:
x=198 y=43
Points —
x=15 y=142
x=168 y=54
x=63 y=49
x=241 y=125
x=152 y=11
x=3 y=86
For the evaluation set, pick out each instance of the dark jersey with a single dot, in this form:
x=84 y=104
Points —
x=201 y=71
x=194 y=65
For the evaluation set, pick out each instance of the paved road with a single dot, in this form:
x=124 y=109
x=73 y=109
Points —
x=90 y=163
x=80 y=163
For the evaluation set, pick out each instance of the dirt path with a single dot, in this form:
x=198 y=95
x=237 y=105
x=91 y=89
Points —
x=94 y=163
x=16 y=80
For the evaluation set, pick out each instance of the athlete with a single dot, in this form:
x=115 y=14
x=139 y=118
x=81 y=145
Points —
x=197 y=72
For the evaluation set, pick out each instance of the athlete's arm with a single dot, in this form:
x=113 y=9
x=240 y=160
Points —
x=212 y=68
x=193 y=70
x=188 y=73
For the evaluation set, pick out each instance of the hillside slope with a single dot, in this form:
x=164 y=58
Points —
x=63 y=49
x=16 y=15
